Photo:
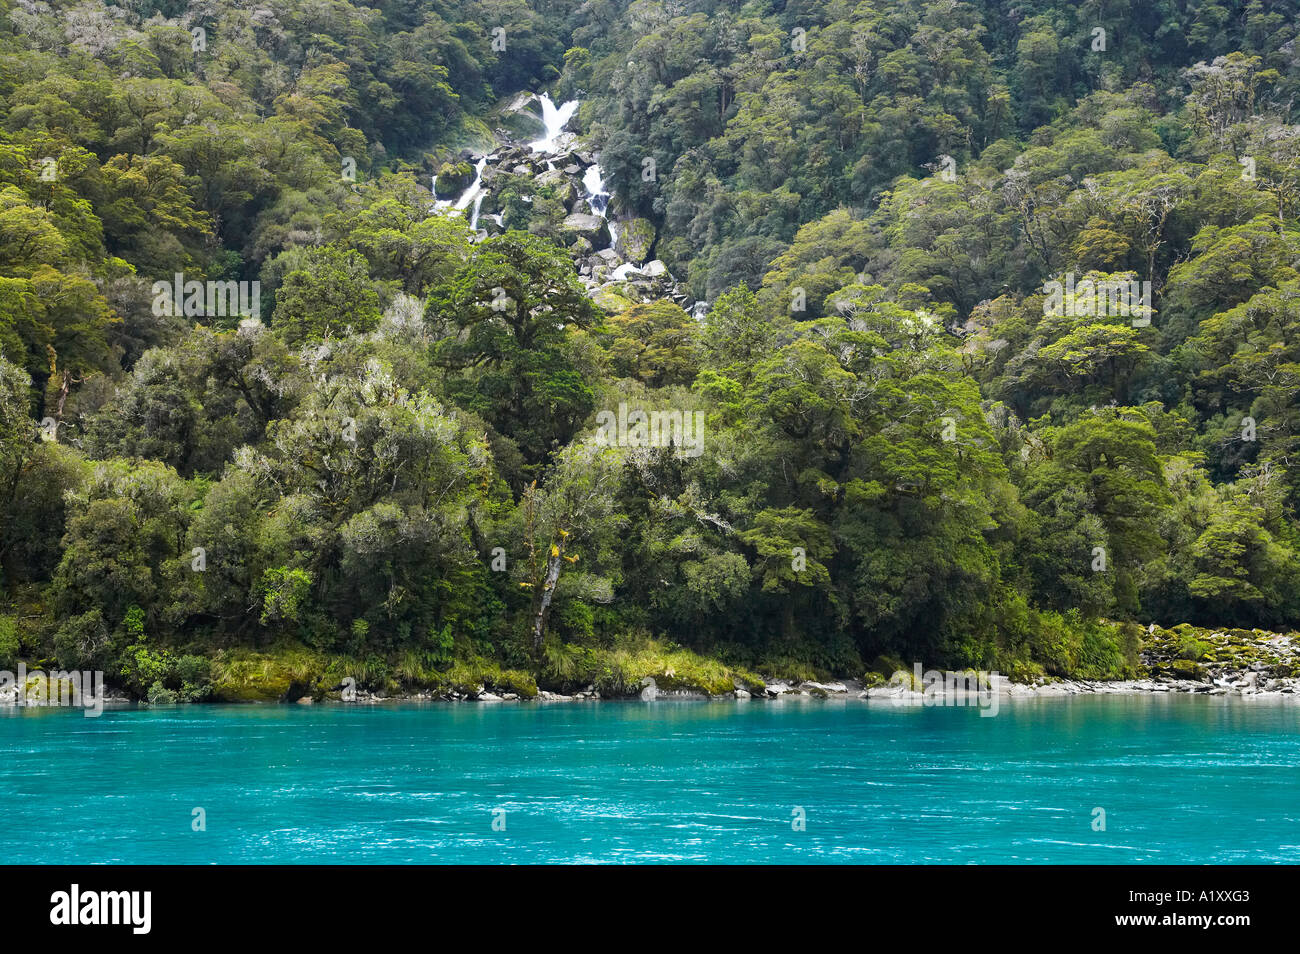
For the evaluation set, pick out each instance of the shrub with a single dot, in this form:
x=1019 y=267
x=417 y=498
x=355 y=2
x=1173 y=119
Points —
x=9 y=647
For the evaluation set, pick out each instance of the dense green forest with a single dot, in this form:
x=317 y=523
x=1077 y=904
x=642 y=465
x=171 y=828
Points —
x=914 y=444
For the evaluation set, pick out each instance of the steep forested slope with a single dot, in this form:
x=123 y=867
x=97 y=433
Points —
x=999 y=363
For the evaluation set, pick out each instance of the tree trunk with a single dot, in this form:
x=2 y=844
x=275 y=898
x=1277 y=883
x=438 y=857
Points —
x=553 y=565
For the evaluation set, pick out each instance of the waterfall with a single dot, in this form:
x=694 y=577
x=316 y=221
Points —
x=594 y=183
x=553 y=119
x=472 y=194
x=598 y=198
x=474 y=186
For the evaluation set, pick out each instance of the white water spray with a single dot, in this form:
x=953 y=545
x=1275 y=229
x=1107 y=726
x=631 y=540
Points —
x=554 y=119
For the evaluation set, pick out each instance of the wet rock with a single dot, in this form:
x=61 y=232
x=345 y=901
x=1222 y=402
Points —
x=453 y=179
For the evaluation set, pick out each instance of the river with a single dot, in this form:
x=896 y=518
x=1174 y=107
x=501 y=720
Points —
x=1181 y=780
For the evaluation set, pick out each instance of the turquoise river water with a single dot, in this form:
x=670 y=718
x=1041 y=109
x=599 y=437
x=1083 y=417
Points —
x=1180 y=779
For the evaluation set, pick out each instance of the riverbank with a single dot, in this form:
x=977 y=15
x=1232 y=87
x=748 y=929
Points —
x=1182 y=659
x=856 y=690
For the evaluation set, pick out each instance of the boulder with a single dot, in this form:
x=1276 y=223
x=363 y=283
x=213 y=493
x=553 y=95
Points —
x=635 y=238
x=611 y=300
x=453 y=179
x=591 y=227
x=521 y=118
x=565 y=188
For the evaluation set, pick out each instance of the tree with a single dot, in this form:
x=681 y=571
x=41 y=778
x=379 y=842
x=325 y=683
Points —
x=570 y=530
x=510 y=314
x=327 y=293
x=1110 y=454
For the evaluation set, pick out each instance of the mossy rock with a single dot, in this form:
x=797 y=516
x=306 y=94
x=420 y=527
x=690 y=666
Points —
x=257 y=677
x=751 y=683
x=44 y=689
x=521 y=123
x=453 y=179
x=886 y=666
x=561 y=186
x=1186 y=669
x=517 y=681
x=713 y=684
x=635 y=239
x=268 y=687
x=893 y=671
x=611 y=301
x=907 y=679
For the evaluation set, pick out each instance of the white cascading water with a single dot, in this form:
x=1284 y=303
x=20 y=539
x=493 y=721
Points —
x=474 y=193
x=598 y=197
x=554 y=119
x=594 y=183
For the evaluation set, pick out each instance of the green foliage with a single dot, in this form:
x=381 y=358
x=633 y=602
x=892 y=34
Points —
x=913 y=448
x=285 y=590
x=326 y=292
x=9 y=644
